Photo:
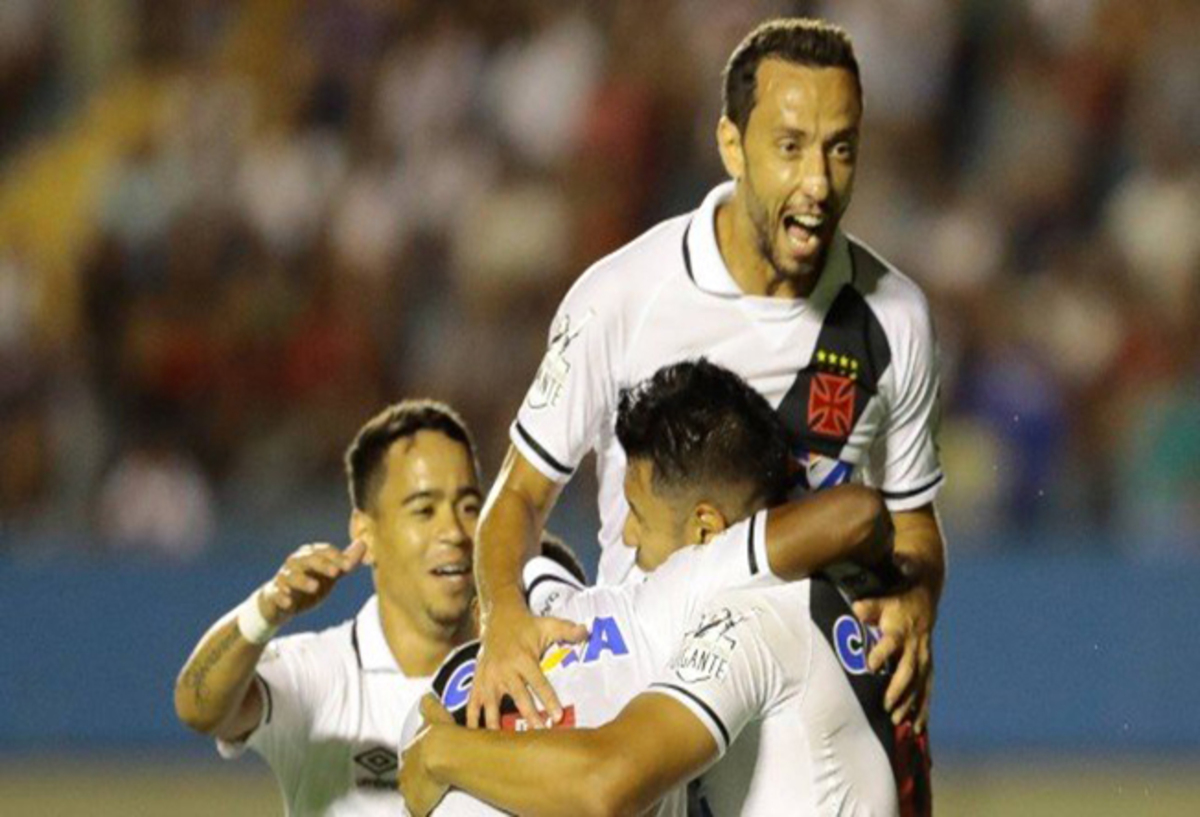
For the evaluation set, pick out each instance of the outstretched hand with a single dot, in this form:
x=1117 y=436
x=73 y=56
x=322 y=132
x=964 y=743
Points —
x=510 y=664
x=306 y=578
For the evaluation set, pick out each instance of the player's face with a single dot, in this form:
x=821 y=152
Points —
x=423 y=522
x=652 y=527
x=798 y=153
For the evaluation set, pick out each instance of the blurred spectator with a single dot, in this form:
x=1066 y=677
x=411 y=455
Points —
x=157 y=501
x=320 y=206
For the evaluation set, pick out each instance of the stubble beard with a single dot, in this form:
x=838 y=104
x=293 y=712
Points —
x=446 y=614
x=450 y=616
x=764 y=236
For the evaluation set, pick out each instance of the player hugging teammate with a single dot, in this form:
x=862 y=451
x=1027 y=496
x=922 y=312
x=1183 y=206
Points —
x=747 y=501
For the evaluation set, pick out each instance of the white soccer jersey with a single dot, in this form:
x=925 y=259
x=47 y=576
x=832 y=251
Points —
x=334 y=703
x=851 y=369
x=785 y=668
x=635 y=629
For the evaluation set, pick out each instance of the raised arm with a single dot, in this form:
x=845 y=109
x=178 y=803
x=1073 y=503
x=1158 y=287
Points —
x=513 y=640
x=214 y=693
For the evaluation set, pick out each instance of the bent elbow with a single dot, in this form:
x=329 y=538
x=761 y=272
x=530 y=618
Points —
x=190 y=713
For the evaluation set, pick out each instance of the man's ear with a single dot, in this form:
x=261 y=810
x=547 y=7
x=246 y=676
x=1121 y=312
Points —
x=362 y=528
x=705 y=523
x=729 y=143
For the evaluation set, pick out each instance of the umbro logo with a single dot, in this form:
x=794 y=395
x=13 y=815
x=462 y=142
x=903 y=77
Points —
x=378 y=761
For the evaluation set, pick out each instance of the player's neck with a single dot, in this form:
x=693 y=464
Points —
x=419 y=647
x=754 y=274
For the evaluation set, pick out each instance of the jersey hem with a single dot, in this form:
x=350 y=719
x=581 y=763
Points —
x=915 y=498
x=700 y=709
x=759 y=563
x=538 y=456
x=233 y=749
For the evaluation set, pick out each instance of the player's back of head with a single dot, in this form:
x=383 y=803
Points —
x=704 y=429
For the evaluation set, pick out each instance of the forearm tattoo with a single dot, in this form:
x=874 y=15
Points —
x=196 y=678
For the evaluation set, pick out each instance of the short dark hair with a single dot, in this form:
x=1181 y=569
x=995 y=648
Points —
x=365 y=456
x=559 y=552
x=702 y=426
x=799 y=40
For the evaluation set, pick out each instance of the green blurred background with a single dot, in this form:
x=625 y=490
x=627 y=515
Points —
x=1029 y=789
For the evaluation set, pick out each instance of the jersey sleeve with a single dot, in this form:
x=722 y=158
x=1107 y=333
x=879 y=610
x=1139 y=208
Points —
x=291 y=681
x=670 y=596
x=904 y=462
x=575 y=390
x=725 y=670
x=547 y=585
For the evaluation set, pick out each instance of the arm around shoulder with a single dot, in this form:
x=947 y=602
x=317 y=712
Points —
x=846 y=523
x=623 y=767
x=655 y=745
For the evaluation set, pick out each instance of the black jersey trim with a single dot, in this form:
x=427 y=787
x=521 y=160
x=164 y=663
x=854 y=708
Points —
x=354 y=643
x=906 y=494
x=687 y=253
x=708 y=710
x=548 y=578
x=542 y=452
x=753 y=555
x=268 y=701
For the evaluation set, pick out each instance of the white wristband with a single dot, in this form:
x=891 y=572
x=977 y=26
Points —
x=251 y=623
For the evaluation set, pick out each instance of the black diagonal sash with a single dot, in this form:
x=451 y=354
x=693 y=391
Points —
x=829 y=395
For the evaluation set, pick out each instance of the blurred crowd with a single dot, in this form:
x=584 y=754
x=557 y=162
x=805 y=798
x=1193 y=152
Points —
x=318 y=206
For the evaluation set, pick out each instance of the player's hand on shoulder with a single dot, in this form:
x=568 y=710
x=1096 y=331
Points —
x=513 y=642
x=306 y=577
x=906 y=623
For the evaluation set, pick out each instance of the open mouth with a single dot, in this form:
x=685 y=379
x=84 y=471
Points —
x=803 y=232
x=452 y=571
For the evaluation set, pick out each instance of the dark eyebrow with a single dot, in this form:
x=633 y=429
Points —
x=844 y=135
x=420 y=496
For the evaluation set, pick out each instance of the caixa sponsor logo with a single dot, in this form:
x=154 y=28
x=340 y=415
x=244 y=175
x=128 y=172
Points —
x=853 y=642
x=458 y=687
x=606 y=638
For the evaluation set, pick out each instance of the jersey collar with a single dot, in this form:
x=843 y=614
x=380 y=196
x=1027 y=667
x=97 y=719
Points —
x=371 y=646
x=707 y=268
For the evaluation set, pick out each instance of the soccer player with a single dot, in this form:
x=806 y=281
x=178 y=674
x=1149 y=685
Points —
x=324 y=709
x=705 y=451
x=761 y=279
